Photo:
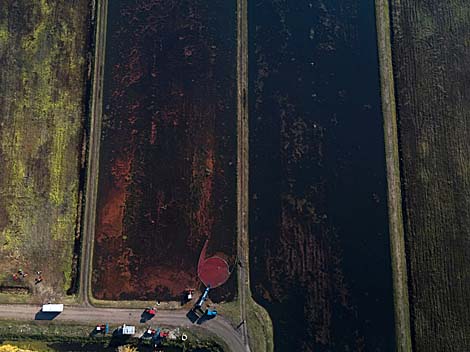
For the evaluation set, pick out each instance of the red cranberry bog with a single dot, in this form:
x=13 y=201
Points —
x=167 y=178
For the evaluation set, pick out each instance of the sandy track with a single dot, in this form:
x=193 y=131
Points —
x=93 y=152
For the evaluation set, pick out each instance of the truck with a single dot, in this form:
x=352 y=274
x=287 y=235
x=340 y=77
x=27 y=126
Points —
x=52 y=308
x=211 y=313
x=150 y=311
x=127 y=330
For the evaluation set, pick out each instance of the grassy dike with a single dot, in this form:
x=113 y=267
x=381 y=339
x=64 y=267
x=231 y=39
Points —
x=260 y=329
x=258 y=326
x=397 y=242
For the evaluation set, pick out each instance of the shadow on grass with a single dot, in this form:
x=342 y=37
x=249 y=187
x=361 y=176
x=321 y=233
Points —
x=45 y=315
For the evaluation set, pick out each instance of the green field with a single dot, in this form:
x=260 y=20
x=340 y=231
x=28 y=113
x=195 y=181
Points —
x=431 y=53
x=42 y=88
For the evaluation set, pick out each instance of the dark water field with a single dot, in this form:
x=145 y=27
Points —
x=320 y=259
x=432 y=76
x=168 y=151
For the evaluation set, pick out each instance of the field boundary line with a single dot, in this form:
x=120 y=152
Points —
x=242 y=168
x=243 y=244
x=396 y=227
x=86 y=269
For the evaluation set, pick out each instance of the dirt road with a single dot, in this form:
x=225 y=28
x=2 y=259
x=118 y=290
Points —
x=91 y=315
x=402 y=312
x=93 y=152
x=242 y=163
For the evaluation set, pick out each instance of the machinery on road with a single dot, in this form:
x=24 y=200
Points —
x=150 y=311
x=198 y=314
x=203 y=298
x=211 y=313
x=148 y=314
x=52 y=308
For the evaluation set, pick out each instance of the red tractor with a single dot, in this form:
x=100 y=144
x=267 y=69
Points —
x=150 y=311
x=151 y=332
x=156 y=334
x=148 y=314
x=102 y=328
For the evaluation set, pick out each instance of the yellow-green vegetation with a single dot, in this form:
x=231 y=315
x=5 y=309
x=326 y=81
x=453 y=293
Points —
x=230 y=311
x=11 y=348
x=260 y=328
x=3 y=36
x=259 y=324
x=42 y=52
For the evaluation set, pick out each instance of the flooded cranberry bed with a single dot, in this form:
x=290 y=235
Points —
x=319 y=243
x=167 y=172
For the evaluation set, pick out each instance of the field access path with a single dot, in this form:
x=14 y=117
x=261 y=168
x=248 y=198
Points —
x=89 y=315
x=242 y=164
x=93 y=152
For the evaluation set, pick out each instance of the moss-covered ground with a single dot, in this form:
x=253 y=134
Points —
x=43 y=65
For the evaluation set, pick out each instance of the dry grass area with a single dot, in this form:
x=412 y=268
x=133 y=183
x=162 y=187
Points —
x=431 y=55
x=42 y=55
x=395 y=212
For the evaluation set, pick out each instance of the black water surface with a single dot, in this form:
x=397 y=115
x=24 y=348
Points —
x=320 y=259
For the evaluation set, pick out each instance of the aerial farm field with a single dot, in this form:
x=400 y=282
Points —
x=319 y=244
x=167 y=179
x=42 y=84
x=431 y=54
